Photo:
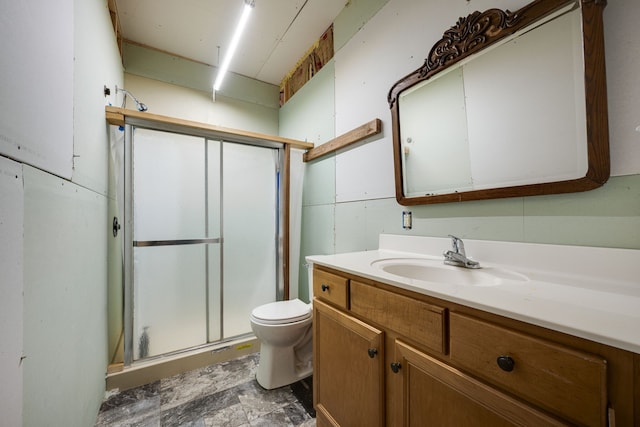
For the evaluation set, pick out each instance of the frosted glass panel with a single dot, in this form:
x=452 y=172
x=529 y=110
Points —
x=213 y=188
x=183 y=294
x=213 y=295
x=169 y=299
x=169 y=186
x=249 y=212
x=214 y=254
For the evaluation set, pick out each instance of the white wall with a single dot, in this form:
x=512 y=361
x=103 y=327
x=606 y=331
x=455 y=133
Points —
x=349 y=197
x=177 y=87
x=396 y=41
x=36 y=82
x=57 y=58
x=65 y=340
x=622 y=51
x=96 y=64
x=177 y=101
x=11 y=290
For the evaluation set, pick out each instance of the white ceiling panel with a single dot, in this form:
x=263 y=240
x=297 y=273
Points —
x=304 y=31
x=279 y=32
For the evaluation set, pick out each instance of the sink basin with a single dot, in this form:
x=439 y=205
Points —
x=435 y=271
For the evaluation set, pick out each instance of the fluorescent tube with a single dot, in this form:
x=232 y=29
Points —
x=234 y=44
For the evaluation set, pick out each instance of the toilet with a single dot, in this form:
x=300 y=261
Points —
x=286 y=347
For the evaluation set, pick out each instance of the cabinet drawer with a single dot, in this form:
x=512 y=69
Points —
x=331 y=288
x=445 y=396
x=417 y=320
x=567 y=382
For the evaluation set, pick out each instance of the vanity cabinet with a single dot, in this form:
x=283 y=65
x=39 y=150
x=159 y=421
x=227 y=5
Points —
x=349 y=371
x=558 y=378
x=434 y=393
x=331 y=287
x=388 y=356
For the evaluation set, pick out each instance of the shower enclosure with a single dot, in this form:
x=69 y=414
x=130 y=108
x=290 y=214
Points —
x=201 y=243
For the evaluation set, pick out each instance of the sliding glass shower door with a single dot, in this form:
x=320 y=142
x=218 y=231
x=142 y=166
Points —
x=204 y=220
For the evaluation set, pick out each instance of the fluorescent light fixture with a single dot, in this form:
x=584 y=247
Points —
x=248 y=5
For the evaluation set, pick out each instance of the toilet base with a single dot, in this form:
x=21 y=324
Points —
x=277 y=367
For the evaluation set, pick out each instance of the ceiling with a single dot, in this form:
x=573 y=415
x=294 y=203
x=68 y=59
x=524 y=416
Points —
x=278 y=33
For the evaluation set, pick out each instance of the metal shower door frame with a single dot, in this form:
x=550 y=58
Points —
x=129 y=243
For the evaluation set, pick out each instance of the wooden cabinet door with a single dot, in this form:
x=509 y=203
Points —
x=348 y=369
x=435 y=394
x=564 y=381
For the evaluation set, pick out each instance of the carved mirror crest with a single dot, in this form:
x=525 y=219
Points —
x=506 y=104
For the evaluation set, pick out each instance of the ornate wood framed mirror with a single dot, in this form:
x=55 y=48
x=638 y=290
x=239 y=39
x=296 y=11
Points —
x=506 y=104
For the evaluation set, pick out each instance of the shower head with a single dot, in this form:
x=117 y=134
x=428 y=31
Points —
x=141 y=106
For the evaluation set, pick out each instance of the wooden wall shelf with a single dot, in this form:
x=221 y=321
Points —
x=119 y=116
x=368 y=129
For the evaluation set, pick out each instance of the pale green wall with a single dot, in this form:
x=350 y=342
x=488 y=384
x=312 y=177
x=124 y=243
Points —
x=63 y=239
x=353 y=17
x=65 y=308
x=66 y=226
x=608 y=216
x=156 y=65
x=309 y=115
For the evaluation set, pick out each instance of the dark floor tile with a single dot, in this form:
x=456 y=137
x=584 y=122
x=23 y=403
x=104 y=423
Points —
x=241 y=363
x=233 y=416
x=131 y=396
x=152 y=421
x=143 y=412
x=258 y=402
x=296 y=413
x=181 y=388
x=194 y=411
x=303 y=391
x=277 y=418
x=221 y=395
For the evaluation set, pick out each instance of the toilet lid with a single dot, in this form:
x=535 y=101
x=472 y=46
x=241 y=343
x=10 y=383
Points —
x=282 y=312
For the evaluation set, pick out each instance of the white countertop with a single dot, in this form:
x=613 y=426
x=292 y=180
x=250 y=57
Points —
x=592 y=293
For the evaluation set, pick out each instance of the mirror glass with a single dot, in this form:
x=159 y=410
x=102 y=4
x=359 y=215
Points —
x=509 y=119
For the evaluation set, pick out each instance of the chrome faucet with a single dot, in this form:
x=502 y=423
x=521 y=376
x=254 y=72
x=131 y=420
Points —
x=457 y=256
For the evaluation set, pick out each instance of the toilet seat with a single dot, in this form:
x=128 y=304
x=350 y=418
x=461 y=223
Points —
x=281 y=312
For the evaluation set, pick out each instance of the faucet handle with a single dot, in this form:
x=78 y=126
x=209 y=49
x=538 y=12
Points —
x=457 y=256
x=457 y=244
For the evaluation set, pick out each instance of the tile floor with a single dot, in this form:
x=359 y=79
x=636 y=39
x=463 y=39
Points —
x=225 y=394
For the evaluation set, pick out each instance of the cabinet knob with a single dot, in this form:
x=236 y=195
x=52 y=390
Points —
x=372 y=352
x=324 y=287
x=395 y=367
x=506 y=363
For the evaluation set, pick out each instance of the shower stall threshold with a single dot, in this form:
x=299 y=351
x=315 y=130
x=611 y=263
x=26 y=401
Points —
x=153 y=369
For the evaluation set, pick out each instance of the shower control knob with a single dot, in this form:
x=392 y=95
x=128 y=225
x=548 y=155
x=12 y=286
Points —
x=115 y=226
x=324 y=287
